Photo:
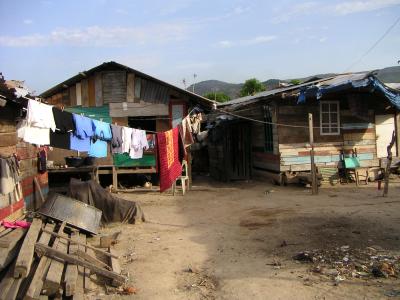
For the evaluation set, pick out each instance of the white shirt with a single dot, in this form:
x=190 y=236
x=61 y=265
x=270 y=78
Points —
x=139 y=142
x=40 y=115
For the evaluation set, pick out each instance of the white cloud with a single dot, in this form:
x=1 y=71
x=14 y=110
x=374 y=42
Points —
x=341 y=8
x=100 y=36
x=298 y=9
x=350 y=7
x=261 y=39
x=28 y=21
x=323 y=39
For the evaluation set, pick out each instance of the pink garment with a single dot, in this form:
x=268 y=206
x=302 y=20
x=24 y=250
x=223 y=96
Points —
x=16 y=224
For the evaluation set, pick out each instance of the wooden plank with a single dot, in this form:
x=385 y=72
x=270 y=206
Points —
x=89 y=256
x=52 y=283
x=138 y=109
x=79 y=292
x=55 y=254
x=130 y=88
x=114 y=262
x=10 y=239
x=25 y=256
x=38 y=189
x=78 y=93
x=7 y=282
x=77 y=242
x=98 y=89
x=85 y=92
x=91 y=91
x=71 y=273
x=36 y=284
x=72 y=95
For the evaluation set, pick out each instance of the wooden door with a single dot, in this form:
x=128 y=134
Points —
x=384 y=126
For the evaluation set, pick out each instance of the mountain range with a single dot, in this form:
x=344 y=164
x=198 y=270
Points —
x=387 y=75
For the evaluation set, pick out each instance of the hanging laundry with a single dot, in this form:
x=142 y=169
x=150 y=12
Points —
x=139 y=142
x=33 y=135
x=35 y=129
x=126 y=139
x=42 y=161
x=80 y=139
x=169 y=157
x=98 y=144
x=187 y=132
x=40 y=115
x=116 y=142
x=64 y=126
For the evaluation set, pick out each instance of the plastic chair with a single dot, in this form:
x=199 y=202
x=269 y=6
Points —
x=352 y=165
x=184 y=178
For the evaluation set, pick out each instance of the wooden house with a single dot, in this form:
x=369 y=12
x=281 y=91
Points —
x=353 y=115
x=119 y=94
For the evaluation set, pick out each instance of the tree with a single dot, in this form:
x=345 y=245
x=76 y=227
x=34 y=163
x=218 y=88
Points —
x=295 y=81
x=251 y=87
x=219 y=97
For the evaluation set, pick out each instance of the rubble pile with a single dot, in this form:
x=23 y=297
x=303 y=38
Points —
x=345 y=262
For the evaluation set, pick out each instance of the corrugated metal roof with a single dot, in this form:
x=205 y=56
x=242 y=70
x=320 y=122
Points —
x=249 y=99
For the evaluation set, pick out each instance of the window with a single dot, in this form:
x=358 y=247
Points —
x=268 y=135
x=329 y=118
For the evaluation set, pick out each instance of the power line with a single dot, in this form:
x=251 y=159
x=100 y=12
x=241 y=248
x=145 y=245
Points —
x=374 y=45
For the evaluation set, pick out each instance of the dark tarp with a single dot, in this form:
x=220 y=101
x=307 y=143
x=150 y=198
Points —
x=114 y=209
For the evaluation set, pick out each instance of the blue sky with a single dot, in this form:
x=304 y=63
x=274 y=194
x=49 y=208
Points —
x=45 y=42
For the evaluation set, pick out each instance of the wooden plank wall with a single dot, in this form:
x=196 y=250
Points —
x=295 y=150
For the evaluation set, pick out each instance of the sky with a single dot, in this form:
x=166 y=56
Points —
x=45 y=42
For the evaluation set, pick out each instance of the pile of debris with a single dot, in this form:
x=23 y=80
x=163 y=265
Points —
x=54 y=259
x=345 y=262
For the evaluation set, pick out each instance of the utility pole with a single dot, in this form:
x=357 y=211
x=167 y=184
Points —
x=184 y=83
x=194 y=81
x=314 y=180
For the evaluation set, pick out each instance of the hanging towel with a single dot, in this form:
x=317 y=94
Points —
x=139 y=142
x=169 y=155
x=98 y=144
x=116 y=142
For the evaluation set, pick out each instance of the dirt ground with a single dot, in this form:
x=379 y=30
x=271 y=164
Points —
x=236 y=241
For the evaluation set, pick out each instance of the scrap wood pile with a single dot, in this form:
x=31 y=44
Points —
x=345 y=262
x=53 y=259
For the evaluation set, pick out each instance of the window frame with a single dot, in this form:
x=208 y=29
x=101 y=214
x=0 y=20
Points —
x=330 y=122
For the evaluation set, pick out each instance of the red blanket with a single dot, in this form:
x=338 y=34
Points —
x=169 y=164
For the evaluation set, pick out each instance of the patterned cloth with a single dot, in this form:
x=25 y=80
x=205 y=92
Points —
x=169 y=157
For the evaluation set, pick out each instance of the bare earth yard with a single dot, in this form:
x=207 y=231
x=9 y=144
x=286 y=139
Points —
x=236 y=241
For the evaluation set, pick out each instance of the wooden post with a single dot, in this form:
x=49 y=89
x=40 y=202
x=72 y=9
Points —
x=388 y=164
x=314 y=181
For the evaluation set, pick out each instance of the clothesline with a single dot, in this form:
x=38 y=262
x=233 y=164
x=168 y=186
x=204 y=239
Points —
x=274 y=123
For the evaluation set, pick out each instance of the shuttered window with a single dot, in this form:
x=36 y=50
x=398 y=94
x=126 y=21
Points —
x=329 y=118
x=114 y=86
